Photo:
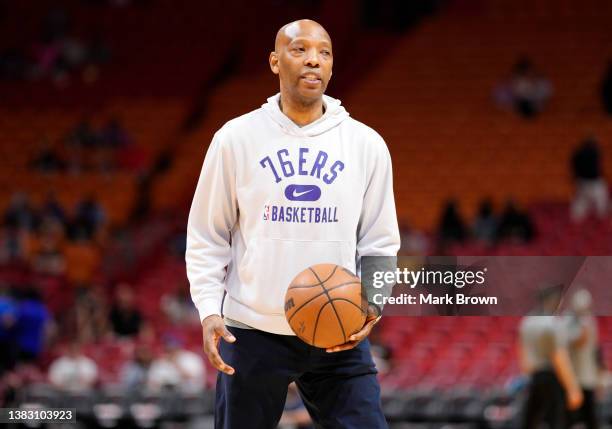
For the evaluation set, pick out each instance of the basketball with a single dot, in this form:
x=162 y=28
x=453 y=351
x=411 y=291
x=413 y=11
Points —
x=324 y=305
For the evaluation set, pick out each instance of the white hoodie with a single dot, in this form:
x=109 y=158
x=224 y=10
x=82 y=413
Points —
x=274 y=198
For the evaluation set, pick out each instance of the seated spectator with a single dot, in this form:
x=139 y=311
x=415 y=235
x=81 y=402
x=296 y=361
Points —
x=89 y=218
x=33 y=325
x=485 y=225
x=527 y=91
x=515 y=225
x=591 y=187
x=134 y=374
x=49 y=259
x=20 y=214
x=606 y=90
x=52 y=209
x=177 y=369
x=295 y=415
x=179 y=308
x=125 y=318
x=451 y=227
x=73 y=372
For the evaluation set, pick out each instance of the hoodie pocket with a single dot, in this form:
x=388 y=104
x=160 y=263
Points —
x=269 y=265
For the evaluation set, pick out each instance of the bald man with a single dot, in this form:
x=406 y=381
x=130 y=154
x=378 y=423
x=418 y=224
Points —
x=294 y=183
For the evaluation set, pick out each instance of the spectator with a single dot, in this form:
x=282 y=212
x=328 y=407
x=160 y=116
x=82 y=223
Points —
x=124 y=317
x=8 y=321
x=451 y=227
x=295 y=415
x=91 y=312
x=527 y=91
x=515 y=225
x=177 y=369
x=52 y=209
x=134 y=374
x=20 y=214
x=606 y=90
x=88 y=219
x=49 y=260
x=32 y=325
x=179 y=308
x=591 y=187
x=485 y=225
x=73 y=372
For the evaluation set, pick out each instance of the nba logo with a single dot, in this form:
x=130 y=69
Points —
x=266 y=215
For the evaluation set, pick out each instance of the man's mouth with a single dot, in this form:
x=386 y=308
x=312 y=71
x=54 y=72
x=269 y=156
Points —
x=311 y=78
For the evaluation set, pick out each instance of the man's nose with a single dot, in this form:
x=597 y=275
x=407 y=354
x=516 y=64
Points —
x=312 y=59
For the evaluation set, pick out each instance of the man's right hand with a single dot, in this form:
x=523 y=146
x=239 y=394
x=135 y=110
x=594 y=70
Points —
x=213 y=329
x=574 y=399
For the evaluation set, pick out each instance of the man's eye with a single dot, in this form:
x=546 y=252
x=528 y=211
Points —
x=325 y=52
x=298 y=49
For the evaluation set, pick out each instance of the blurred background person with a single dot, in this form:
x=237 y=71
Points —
x=543 y=356
x=125 y=318
x=582 y=332
x=177 y=369
x=73 y=371
x=135 y=373
x=591 y=187
x=527 y=91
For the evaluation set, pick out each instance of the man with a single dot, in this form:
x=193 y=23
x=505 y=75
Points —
x=544 y=357
x=292 y=184
x=591 y=186
x=581 y=328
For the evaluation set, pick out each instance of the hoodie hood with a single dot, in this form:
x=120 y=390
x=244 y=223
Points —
x=334 y=115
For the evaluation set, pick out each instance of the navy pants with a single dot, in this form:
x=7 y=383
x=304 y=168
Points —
x=339 y=389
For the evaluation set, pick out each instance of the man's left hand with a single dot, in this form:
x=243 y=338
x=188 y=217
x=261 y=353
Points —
x=372 y=318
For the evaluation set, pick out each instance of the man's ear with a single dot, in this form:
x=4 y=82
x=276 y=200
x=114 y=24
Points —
x=274 y=62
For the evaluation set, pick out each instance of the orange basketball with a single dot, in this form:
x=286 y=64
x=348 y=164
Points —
x=324 y=305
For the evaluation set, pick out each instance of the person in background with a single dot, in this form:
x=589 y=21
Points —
x=134 y=374
x=451 y=227
x=20 y=215
x=581 y=328
x=591 y=187
x=33 y=325
x=73 y=372
x=177 y=369
x=124 y=317
x=526 y=91
x=543 y=356
x=515 y=225
x=89 y=217
x=485 y=225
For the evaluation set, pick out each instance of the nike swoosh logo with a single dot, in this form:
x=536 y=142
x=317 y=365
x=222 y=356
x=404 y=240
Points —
x=297 y=194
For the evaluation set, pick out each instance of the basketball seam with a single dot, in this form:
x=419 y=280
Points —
x=320 y=294
x=316 y=284
x=314 y=331
x=332 y=304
